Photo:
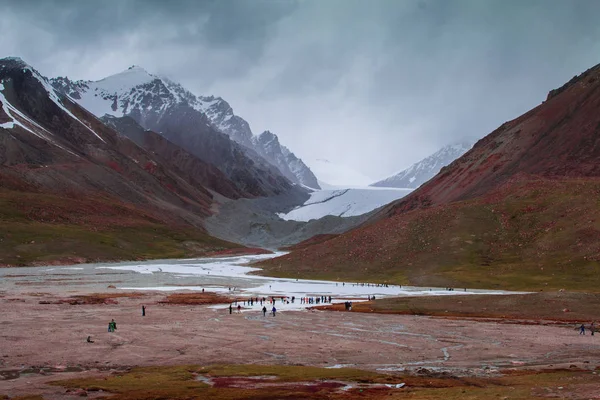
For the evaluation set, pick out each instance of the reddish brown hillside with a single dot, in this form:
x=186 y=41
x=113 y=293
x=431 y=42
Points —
x=520 y=210
x=311 y=241
x=559 y=138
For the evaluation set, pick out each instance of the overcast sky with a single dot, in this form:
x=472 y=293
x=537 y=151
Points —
x=372 y=84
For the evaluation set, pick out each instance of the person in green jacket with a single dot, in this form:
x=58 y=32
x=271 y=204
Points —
x=112 y=326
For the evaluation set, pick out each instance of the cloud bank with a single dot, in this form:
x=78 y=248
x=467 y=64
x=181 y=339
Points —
x=375 y=85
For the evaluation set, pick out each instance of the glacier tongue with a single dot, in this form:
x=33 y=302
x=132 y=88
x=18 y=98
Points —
x=344 y=202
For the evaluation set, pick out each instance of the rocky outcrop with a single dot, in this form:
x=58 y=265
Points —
x=267 y=145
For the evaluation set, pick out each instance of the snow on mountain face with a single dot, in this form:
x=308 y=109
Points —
x=344 y=202
x=179 y=116
x=422 y=171
x=136 y=92
x=8 y=66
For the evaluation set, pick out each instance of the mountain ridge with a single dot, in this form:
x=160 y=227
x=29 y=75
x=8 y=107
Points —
x=134 y=91
x=425 y=169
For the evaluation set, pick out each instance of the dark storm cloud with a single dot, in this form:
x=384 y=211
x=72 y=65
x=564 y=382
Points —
x=217 y=23
x=372 y=84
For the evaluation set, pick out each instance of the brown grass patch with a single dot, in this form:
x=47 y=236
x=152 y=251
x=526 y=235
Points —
x=197 y=298
x=95 y=298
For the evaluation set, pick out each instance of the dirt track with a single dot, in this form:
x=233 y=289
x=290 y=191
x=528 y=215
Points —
x=53 y=336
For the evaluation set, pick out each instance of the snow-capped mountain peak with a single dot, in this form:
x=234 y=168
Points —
x=125 y=80
x=147 y=97
x=422 y=171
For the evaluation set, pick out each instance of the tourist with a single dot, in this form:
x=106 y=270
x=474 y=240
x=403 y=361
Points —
x=264 y=310
x=582 y=330
x=112 y=326
x=230 y=309
x=239 y=309
x=274 y=310
x=143 y=311
x=592 y=328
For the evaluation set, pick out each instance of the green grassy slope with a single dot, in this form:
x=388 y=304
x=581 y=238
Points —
x=40 y=228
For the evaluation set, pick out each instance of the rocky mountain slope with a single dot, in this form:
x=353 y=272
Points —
x=196 y=171
x=422 y=171
x=519 y=210
x=73 y=189
x=158 y=103
x=267 y=145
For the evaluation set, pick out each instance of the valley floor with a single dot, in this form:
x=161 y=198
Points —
x=44 y=331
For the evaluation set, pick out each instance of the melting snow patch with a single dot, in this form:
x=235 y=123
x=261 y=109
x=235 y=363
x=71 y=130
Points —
x=396 y=386
x=336 y=366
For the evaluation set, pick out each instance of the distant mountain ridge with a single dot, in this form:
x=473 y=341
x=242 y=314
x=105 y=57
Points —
x=422 y=171
x=143 y=96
